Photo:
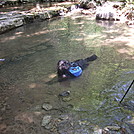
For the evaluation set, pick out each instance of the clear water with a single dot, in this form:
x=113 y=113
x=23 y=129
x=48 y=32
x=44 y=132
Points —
x=28 y=75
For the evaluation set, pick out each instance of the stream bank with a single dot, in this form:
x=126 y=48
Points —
x=111 y=11
x=16 y=19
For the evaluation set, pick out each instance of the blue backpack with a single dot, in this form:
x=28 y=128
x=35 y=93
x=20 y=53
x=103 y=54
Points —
x=75 y=71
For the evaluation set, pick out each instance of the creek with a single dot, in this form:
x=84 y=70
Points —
x=28 y=77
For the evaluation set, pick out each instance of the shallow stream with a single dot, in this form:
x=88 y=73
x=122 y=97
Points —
x=28 y=77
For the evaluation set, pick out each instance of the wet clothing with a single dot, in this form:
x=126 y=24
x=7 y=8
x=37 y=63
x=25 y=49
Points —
x=64 y=66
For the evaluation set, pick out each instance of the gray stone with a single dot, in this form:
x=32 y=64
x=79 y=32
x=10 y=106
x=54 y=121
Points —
x=15 y=19
x=47 y=106
x=64 y=93
x=17 y=22
x=46 y=120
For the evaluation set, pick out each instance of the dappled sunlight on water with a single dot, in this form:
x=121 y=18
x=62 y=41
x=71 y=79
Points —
x=32 y=85
x=122 y=41
x=52 y=75
x=44 y=32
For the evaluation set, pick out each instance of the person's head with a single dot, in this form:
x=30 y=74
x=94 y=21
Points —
x=62 y=66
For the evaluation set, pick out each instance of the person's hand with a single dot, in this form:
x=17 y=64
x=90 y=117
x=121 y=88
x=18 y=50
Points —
x=64 y=76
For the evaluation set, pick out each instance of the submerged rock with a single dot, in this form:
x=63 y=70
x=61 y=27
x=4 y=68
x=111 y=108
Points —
x=47 y=106
x=64 y=93
x=46 y=120
x=65 y=96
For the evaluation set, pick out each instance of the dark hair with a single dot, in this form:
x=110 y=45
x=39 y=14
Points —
x=62 y=67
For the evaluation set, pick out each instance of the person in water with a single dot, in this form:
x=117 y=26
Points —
x=67 y=69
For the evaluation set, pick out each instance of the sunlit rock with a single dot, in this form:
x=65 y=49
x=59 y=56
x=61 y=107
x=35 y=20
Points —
x=108 y=12
x=15 y=19
x=10 y=24
x=17 y=22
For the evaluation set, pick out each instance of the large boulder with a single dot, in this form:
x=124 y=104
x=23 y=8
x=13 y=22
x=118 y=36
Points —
x=16 y=19
x=10 y=21
x=107 y=12
x=87 y=4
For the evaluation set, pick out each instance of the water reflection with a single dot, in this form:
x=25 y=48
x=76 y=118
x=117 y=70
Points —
x=105 y=23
